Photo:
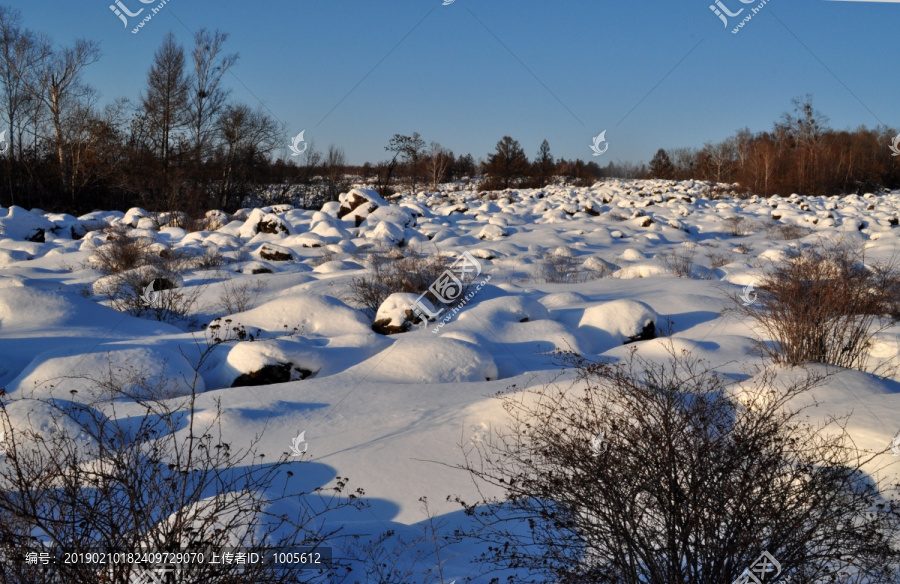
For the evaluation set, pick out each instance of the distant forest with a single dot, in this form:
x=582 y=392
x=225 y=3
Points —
x=183 y=144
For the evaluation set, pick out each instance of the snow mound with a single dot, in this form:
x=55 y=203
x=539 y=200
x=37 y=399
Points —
x=310 y=314
x=140 y=373
x=396 y=315
x=268 y=361
x=428 y=360
x=23 y=225
x=621 y=321
x=54 y=420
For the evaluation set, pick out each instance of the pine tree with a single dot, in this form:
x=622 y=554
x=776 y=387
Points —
x=661 y=166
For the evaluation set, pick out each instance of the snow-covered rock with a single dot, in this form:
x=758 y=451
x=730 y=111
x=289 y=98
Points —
x=622 y=321
x=396 y=313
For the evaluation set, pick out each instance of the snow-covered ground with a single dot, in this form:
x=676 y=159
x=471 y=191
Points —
x=386 y=410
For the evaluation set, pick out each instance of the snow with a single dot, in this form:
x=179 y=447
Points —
x=378 y=407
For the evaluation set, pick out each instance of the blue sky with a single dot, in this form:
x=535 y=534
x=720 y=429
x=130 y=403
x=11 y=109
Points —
x=468 y=73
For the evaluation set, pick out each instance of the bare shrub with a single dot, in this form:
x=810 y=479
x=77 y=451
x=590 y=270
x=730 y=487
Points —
x=679 y=260
x=646 y=471
x=241 y=296
x=560 y=269
x=823 y=305
x=160 y=477
x=326 y=256
x=785 y=231
x=121 y=252
x=743 y=248
x=212 y=258
x=152 y=291
x=736 y=225
x=144 y=278
x=409 y=272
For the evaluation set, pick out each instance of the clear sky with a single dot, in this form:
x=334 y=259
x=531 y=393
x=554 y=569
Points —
x=651 y=73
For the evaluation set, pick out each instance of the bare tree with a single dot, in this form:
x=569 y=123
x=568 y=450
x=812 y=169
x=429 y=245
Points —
x=207 y=96
x=410 y=149
x=437 y=163
x=245 y=137
x=56 y=83
x=334 y=166
x=662 y=472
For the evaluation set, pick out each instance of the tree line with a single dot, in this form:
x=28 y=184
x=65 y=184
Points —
x=801 y=154
x=184 y=144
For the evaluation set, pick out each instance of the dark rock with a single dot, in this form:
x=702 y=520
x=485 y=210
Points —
x=37 y=236
x=647 y=334
x=269 y=374
x=274 y=255
x=271 y=227
x=353 y=202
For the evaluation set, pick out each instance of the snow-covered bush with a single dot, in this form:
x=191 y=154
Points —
x=649 y=471
x=822 y=304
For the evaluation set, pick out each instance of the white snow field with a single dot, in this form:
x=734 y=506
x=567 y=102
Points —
x=575 y=269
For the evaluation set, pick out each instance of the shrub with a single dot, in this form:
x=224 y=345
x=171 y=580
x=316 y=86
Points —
x=412 y=273
x=240 y=296
x=823 y=304
x=560 y=269
x=144 y=278
x=786 y=232
x=121 y=252
x=665 y=472
x=680 y=260
x=735 y=225
x=159 y=476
